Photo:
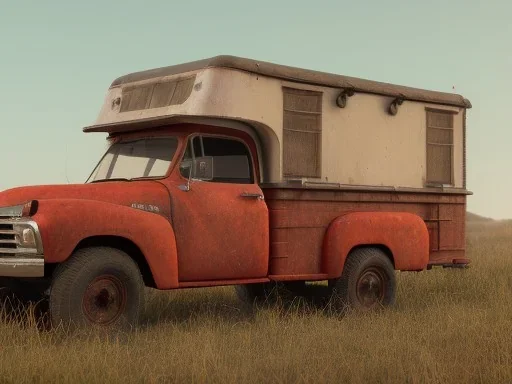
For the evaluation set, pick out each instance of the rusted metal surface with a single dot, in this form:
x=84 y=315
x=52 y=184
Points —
x=299 y=220
x=220 y=233
x=371 y=287
x=212 y=234
x=309 y=277
x=104 y=300
x=68 y=214
x=216 y=283
x=403 y=235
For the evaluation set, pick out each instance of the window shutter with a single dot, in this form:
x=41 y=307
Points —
x=439 y=147
x=302 y=133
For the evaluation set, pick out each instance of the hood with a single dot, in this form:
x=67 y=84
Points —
x=140 y=194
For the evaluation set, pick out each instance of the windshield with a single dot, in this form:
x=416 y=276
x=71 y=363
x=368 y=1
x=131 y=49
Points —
x=150 y=157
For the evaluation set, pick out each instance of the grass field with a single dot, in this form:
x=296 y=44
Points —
x=448 y=326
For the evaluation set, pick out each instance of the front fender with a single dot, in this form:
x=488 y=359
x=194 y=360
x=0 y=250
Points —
x=404 y=234
x=65 y=222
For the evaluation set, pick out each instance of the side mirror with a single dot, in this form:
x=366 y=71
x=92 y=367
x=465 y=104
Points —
x=203 y=168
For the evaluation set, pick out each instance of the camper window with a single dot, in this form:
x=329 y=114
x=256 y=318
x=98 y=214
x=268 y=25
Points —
x=302 y=133
x=439 y=147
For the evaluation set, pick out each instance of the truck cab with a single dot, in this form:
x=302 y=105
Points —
x=230 y=171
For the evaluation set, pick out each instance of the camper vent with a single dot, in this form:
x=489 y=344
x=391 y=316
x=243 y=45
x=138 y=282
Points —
x=302 y=133
x=156 y=95
x=439 y=147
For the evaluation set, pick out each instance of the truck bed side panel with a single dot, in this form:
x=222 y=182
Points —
x=299 y=219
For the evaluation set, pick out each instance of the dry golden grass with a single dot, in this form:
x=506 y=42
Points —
x=449 y=326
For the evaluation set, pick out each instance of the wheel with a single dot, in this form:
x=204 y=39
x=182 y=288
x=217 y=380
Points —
x=100 y=288
x=367 y=282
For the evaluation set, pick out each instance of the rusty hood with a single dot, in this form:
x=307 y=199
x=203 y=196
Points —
x=149 y=195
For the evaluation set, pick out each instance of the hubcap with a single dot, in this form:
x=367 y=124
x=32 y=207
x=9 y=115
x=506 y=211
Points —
x=104 y=300
x=371 y=287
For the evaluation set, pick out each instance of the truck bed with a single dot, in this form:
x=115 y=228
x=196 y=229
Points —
x=299 y=219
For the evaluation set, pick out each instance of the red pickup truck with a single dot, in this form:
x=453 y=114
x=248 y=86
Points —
x=231 y=171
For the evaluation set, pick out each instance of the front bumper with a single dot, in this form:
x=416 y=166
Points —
x=15 y=259
x=22 y=267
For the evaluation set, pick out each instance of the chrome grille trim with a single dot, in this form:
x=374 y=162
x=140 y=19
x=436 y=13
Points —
x=16 y=261
x=7 y=238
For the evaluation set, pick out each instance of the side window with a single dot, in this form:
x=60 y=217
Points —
x=230 y=159
x=439 y=147
x=302 y=133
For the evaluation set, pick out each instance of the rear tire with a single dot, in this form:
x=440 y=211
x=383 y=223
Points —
x=99 y=288
x=367 y=282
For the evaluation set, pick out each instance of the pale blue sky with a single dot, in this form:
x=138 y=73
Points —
x=58 y=58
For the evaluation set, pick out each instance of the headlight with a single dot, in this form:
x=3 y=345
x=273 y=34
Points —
x=30 y=208
x=25 y=236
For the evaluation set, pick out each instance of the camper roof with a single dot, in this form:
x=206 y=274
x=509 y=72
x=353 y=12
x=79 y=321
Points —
x=299 y=75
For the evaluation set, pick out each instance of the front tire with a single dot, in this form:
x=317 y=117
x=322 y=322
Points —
x=100 y=288
x=367 y=282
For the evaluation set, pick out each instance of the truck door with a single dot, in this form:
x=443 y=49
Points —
x=220 y=221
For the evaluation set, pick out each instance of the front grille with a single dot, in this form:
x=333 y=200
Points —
x=7 y=240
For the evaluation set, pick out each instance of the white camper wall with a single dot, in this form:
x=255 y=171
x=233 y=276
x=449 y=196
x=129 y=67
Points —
x=361 y=144
x=364 y=145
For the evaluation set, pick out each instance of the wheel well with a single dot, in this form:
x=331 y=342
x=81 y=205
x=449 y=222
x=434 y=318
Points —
x=124 y=245
x=382 y=247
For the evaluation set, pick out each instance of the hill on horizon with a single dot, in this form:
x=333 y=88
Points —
x=473 y=217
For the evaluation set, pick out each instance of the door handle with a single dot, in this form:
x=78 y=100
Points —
x=249 y=195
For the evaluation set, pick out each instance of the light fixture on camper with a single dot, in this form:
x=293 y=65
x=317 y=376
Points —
x=393 y=107
x=116 y=102
x=341 y=100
